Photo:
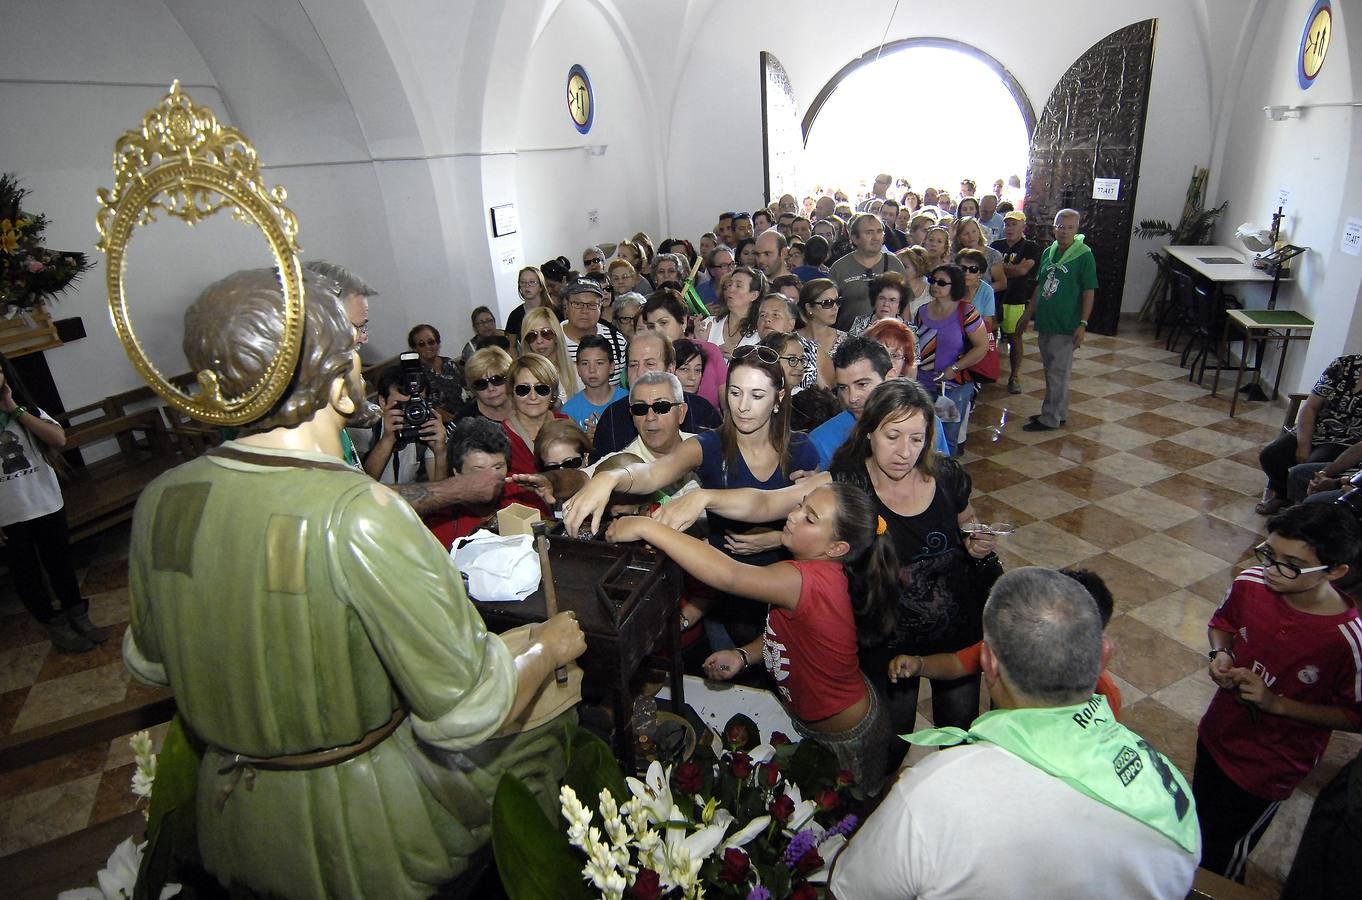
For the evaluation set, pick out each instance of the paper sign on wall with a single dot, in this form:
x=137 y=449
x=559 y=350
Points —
x=1106 y=188
x=1352 y=237
x=1283 y=196
x=509 y=258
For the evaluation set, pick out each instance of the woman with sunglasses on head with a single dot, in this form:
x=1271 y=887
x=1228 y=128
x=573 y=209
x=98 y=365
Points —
x=665 y=312
x=533 y=380
x=544 y=335
x=737 y=327
x=753 y=448
x=534 y=293
x=444 y=384
x=968 y=234
x=819 y=305
x=487 y=382
x=951 y=338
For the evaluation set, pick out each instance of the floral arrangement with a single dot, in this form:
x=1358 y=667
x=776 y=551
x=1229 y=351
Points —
x=29 y=272
x=118 y=879
x=740 y=819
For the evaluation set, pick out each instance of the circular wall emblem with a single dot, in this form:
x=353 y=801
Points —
x=581 y=101
x=1319 y=27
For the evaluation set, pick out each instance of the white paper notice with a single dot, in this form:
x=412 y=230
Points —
x=1352 y=237
x=1283 y=197
x=1106 y=188
x=509 y=258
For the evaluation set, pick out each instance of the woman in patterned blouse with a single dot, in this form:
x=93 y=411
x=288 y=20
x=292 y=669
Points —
x=1330 y=420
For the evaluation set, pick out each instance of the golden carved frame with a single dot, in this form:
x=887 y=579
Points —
x=183 y=163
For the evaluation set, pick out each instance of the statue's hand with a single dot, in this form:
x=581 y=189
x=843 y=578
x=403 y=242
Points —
x=562 y=638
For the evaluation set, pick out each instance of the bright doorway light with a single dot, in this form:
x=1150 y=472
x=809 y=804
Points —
x=927 y=114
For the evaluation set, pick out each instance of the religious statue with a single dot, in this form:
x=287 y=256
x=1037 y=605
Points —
x=356 y=713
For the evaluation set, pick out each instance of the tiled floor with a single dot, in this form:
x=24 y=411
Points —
x=1150 y=484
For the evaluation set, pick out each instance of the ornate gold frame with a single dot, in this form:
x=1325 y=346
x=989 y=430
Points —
x=184 y=164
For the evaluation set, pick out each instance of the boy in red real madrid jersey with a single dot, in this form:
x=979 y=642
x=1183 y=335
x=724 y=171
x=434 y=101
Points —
x=1286 y=652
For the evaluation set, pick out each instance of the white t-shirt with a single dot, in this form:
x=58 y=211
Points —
x=410 y=458
x=976 y=821
x=616 y=339
x=28 y=485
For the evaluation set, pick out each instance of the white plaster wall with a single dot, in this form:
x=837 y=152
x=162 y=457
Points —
x=719 y=97
x=1315 y=156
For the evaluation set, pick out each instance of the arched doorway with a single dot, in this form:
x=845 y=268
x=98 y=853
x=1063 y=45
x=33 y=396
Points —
x=850 y=133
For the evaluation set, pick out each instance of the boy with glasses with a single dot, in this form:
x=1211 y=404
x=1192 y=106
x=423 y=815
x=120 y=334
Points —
x=1286 y=653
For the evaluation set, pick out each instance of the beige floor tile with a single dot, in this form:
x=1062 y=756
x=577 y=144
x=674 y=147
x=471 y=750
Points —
x=1045 y=545
x=1169 y=558
x=1176 y=390
x=1099 y=386
x=1129 y=692
x=1277 y=849
x=1106 y=410
x=1148 y=509
x=1032 y=462
x=19 y=667
x=1241 y=513
x=1192 y=415
x=1040 y=501
x=49 y=701
x=1230 y=474
x=1151 y=353
x=1147 y=658
x=1212 y=442
x=1089 y=369
x=1117 y=436
x=1160 y=370
x=110 y=607
x=1181 y=615
x=1132 y=469
x=41 y=816
x=1166 y=731
x=1188 y=696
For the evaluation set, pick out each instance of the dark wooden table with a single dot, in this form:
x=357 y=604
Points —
x=627 y=599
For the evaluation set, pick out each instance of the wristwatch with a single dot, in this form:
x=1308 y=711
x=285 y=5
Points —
x=1082 y=323
x=1214 y=650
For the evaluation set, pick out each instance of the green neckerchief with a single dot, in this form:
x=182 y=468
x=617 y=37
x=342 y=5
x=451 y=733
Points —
x=348 y=450
x=1086 y=748
x=1076 y=249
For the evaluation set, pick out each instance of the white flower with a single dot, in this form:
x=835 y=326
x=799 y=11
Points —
x=754 y=828
x=653 y=792
x=578 y=816
x=119 y=877
x=803 y=811
x=608 y=809
x=827 y=851
x=762 y=753
x=141 y=745
x=610 y=883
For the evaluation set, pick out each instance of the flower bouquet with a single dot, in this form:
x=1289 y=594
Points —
x=740 y=819
x=29 y=272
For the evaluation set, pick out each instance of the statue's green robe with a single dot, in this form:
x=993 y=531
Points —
x=292 y=604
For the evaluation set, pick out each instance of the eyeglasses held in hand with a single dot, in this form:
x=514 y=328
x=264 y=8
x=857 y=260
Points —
x=1285 y=569
x=572 y=462
x=523 y=390
x=482 y=384
x=543 y=334
x=765 y=354
x=661 y=407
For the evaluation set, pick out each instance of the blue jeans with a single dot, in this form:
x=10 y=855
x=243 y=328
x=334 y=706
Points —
x=961 y=395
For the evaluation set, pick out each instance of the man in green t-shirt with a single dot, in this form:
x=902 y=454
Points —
x=1066 y=284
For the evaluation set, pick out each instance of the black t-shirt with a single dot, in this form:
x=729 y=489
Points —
x=932 y=615
x=1019 y=289
x=515 y=320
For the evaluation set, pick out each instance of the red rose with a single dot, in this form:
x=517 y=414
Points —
x=779 y=739
x=741 y=765
x=646 y=886
x=689 y=776
x=770 y=774
x=829 y=800
x=845 y=778
x=809 y=862
x=736 y=866
x=782 y=808
x=805 y=891
x=736 y=734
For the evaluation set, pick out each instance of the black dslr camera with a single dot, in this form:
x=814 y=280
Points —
x=416 y=411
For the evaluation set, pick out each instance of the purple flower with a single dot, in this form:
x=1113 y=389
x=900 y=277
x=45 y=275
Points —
x=800 y=844
x=844 y=827
x=759 y=893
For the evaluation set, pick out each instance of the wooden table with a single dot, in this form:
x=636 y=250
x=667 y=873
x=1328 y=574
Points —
x=1261 y=325
x=627 y=599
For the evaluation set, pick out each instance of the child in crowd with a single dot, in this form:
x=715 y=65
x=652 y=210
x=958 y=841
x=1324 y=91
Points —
x=595 y=363
x=809 y=646
x=1284 y=651
x=949 y=666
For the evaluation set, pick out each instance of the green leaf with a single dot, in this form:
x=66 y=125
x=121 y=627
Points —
x=591 y=767
x=812 y=767
x=172 y=824
x=533 y=857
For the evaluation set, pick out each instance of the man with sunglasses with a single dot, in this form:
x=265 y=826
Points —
x=854 y=272
x=658 y=407
x=649 y=351
x=1286 y=655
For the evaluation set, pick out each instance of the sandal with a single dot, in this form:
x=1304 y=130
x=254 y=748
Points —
x=1269 y=506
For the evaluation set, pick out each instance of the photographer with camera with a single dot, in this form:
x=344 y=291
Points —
x=409 y=444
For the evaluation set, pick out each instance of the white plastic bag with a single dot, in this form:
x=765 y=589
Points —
x=499 y=569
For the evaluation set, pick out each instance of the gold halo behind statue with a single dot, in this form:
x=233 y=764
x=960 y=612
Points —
x=182 y=163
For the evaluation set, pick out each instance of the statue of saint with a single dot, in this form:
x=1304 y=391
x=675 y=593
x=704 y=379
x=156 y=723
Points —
x=356 y=713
